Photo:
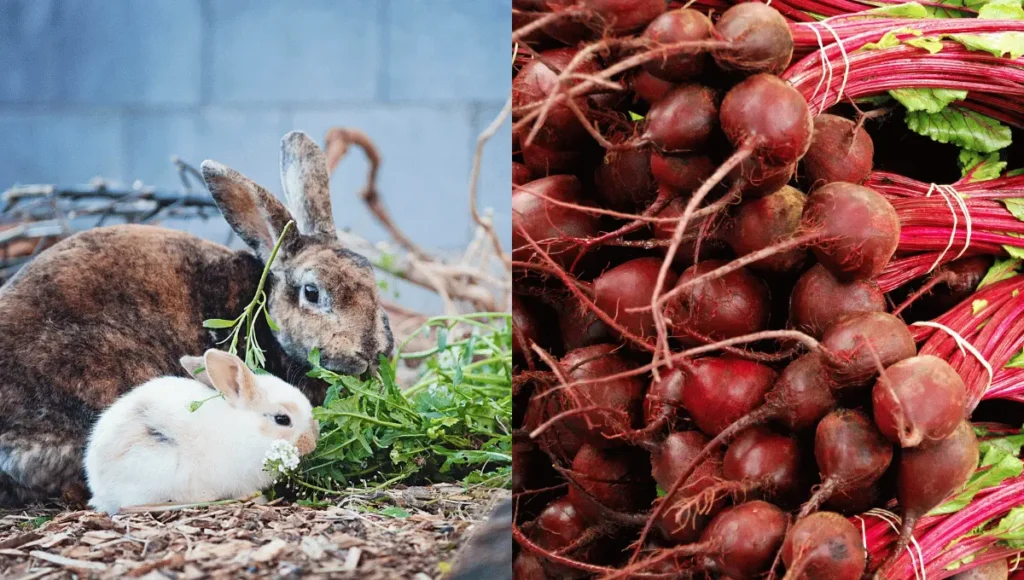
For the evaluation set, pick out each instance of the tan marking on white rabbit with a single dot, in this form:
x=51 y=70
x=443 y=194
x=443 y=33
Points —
x=149 y=447
x=111 y=308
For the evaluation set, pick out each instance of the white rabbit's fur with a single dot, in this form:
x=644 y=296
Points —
x=148 y=447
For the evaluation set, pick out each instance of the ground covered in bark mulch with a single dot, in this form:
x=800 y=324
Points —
x=410 y=533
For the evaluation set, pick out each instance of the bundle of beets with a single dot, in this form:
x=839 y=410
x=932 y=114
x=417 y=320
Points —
x=740 y=350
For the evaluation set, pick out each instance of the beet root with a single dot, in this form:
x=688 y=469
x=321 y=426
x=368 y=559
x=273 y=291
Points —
x=683 y=120
x=767 y=114
x=744 y=539
x=680 y=524
x=719 y=390
x=617 y=403
x=648 y=87
x=627 y=286
x=841 y=150
x=918 y=400
x=680 y=25
x=728 y=306
x=623 y=179
x=664 y=398
x=818 y=299
x=681 y=173
x=856 y=339
x=755 y=178
x=620 y=16
x=823 y=546
x=768 y=462
x=859 y=229
x=802 y=395
x=760 y=223
x=758 y=38
x=850 y=452
x=929 y=474
x=562 y=130
x=548 y=223
x=605 y=480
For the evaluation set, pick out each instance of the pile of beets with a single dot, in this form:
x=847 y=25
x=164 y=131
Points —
x=708 y=380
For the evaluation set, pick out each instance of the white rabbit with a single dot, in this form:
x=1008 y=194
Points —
x=149 y=447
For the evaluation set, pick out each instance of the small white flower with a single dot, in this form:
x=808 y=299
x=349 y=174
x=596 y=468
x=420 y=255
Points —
x=282 y=457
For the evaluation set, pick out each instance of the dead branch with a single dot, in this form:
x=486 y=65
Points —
x=474 y=178
x=338 y=140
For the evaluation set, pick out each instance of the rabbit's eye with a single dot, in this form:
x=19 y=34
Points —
x=283 y=420
x=311 y=293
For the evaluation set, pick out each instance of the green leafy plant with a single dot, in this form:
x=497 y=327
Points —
x=246 y=322
x=454 y=424
x=254 y=355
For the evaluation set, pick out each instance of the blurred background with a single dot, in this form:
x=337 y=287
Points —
x=115 y=88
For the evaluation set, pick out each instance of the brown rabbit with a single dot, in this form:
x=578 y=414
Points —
x=113 y=307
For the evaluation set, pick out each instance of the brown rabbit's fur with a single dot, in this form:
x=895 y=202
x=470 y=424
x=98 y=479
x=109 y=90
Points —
x=110 y=308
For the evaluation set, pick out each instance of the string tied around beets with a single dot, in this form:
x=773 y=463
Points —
x=949 y=192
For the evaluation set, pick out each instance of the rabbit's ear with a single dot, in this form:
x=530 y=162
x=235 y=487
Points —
x=307 y=184
x=195 y=366
x=253 y=212
x=231 y=377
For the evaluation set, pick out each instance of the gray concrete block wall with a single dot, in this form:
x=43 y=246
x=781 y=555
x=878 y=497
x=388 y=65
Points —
x=114 y=88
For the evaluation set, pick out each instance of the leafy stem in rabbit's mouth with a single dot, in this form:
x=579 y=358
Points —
x=246 y=321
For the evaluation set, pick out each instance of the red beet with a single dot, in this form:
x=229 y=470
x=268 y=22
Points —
x=824 y=546
x=624 y=181
x=851 y=453
x=558 y=440
x=803 y=394
x=542 y=159
x=649 y=87
x=558 y=525
x=819 y=299
x=759 y=40
x=769 y=114
x=681 y=173
x=718 y=390
x=731 y=305
x=840 y=151
x=520 y=173
x=624 y=395
x=630 y=285
x=674 y=453
x=620 y=16
x=664 y=398
x=919 y=400
x=562 y=130
x=744 y=539
x=741 y=542
x=544 y=220
x=710 y=245
x=607 y=479
x=680 y=25
x=800 y=397
x=683 y=120
x=762 y=222
x=578 y=325
x=855 y=501
x=859 y=229
x=928 y=474
x=768 y=461
x=525 y=327
x=852 y=338
x=528 y=567
x=755 y=178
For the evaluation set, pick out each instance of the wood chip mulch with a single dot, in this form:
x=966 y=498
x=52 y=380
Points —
x=417 y=539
